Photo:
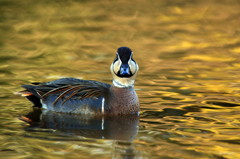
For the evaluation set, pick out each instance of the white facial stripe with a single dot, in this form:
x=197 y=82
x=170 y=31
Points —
x=116 y=65
x=132 y=65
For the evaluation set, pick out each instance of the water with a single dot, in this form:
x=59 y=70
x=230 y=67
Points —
x=188 y=84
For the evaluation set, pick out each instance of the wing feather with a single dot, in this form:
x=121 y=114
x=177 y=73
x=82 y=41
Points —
x=68 y=88
x=79 y=91
x=65 y=93
x=59 y=89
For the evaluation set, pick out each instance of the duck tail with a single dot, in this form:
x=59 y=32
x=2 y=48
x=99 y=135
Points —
x=31 y=95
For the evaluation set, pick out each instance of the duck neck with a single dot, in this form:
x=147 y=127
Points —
x=123 y=84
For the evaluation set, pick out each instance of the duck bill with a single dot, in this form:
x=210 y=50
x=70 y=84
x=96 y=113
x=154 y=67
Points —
x=124 y=71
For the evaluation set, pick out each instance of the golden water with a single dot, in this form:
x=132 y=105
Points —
x=188 y=83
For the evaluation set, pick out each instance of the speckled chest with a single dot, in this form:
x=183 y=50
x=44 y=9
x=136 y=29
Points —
x=122 y=100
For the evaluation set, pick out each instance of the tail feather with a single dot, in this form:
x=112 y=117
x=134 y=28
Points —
x=23 y=93
x=31 y=89
x=31 y=95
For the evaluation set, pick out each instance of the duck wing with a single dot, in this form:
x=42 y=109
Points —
x=67 y=88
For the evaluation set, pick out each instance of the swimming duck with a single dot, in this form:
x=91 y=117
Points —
x=71 y=95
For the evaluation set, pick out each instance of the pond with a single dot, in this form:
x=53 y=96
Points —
x=188 y=83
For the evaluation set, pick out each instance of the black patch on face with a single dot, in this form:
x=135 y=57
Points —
x=124 y=71
x=124 y=54
x=124 y=75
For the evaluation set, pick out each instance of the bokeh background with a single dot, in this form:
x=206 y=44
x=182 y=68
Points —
x=188 y=83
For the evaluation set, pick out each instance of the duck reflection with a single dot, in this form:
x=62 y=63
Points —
x=104 y=127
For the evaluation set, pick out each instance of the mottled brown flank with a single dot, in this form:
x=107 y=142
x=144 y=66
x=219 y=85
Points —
x=123 y=101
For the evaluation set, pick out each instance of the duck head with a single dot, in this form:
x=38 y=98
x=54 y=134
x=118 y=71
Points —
x=124 y=68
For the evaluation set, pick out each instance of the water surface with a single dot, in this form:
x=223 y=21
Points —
x=188 y=83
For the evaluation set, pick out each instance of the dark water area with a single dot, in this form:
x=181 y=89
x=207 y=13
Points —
x=188 y=83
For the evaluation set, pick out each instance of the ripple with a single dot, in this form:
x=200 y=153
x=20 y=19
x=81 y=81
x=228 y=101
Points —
x=236 y=141
x=193 y=130
x=164 y=113
x=223 y=104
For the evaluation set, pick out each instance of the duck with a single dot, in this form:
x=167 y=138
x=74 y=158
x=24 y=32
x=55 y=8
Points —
x=78 y=96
